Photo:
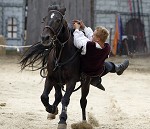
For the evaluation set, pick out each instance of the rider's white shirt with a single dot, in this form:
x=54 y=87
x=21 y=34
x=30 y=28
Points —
x=81 y=39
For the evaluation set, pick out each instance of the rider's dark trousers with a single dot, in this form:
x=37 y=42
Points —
x=109 y=67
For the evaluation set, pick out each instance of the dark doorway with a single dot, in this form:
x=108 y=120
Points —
x=136 y=36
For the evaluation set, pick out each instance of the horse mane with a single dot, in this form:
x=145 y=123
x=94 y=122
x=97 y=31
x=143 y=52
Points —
x=35 y=57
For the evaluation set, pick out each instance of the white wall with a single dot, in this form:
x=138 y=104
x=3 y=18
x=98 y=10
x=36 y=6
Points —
x=13 y=8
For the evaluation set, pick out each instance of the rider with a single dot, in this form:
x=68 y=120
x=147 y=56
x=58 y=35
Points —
x=94 y=52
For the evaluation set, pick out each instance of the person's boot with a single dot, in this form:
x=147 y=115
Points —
x=121 y=67
x=96 y=81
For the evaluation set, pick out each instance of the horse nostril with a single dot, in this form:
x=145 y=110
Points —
x=45 y=38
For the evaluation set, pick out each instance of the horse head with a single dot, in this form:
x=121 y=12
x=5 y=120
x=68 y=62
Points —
x=53 y=24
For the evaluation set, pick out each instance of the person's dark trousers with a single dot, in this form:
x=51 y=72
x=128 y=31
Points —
x=115 y=68
x=96 y=81
x=109 y=67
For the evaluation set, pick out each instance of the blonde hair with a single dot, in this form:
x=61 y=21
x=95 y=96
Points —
x=102 y=33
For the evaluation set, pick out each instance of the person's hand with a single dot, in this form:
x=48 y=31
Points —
x=82 y=25
x=76 y=25
x=76 y=21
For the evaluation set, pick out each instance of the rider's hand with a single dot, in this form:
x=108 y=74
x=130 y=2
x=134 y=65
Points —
x=76 y=25
x=82 y=25
x=76 y=21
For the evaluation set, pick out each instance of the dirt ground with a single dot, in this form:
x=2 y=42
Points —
x=124 y=105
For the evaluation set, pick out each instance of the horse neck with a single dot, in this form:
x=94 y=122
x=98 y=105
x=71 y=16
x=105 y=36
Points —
x=64 y=34
x=69 y=48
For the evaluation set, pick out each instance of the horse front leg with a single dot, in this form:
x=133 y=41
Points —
x=65 y=102
x=84 y=92
x=58 y=97
x=44 y=97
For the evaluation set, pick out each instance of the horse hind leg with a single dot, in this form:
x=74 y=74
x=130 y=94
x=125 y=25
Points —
x=84 y=93
x=65 y=102
x=58 y=97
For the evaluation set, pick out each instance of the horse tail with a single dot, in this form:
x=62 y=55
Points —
x=35 y=57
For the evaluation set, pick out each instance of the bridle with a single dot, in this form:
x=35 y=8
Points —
x=56 y=34
x=52 y=29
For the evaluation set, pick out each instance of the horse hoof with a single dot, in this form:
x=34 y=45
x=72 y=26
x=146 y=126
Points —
x=62 y=126
x=51 y=116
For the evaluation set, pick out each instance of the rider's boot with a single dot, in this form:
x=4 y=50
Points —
x=119 y=68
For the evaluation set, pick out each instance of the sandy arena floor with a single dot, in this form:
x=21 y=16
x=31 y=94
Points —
x=124 y=105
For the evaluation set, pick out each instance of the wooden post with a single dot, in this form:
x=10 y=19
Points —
x=2 y=42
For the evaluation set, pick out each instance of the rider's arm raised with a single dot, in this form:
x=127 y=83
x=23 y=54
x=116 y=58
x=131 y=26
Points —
x=88 y=32
x=80 y=40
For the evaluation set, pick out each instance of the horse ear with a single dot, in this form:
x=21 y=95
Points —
x=63 y=10
x=52 y=7
x=57 y=7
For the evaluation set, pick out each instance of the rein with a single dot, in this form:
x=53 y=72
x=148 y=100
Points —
x=59 y=64
x=57 y=61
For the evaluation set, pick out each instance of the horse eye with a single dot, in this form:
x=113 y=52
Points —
x=58 y=20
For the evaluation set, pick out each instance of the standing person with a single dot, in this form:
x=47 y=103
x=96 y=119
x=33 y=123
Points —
x=94 y=53
x=124 y=45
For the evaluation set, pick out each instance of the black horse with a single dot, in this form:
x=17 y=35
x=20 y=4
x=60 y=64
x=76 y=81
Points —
x=61 y=59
